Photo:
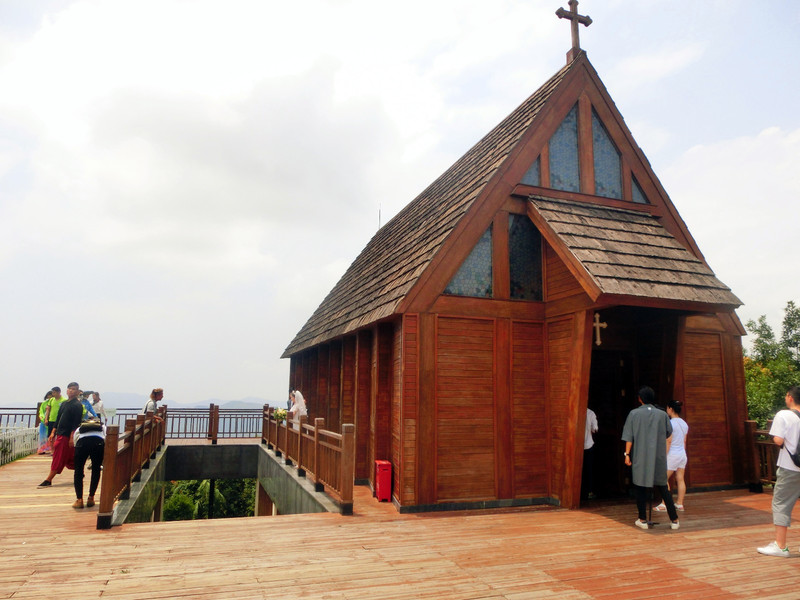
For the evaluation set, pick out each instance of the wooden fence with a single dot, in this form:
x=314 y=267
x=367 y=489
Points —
x=325 y=457
x=126 y=454
x=764 y=454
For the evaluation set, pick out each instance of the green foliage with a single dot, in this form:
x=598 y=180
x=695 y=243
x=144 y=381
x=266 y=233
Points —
x=772 y=366
x=179 y=507
x=232 y=497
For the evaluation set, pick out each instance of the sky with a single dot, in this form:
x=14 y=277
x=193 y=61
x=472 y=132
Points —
x=182 y=182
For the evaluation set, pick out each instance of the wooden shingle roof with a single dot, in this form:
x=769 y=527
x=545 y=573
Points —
x=629 y=253
x=396 y=256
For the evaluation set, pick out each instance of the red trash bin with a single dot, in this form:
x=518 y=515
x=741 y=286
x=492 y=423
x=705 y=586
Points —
x=383 y=480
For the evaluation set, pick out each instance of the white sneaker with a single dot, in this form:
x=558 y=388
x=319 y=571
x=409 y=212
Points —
x=774 y=550
x=660 y=508
x=679 y=507
x=675 y=525
x=641 y=524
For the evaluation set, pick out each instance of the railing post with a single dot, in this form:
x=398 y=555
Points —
x=215 y=430
x=301 y=471
x=348 y=467
x=265 y=424
x=136 y=461
x=319 y=423
x=754 y=477
x=210 y=433
x=162 y=435
x=107 y=495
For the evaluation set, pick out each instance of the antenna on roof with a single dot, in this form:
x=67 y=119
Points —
x=572 y=15
x=379 y=215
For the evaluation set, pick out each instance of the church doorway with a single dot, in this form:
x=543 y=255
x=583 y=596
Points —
x=611 y=396
x=637 y=348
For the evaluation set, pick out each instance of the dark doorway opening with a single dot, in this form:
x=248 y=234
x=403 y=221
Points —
x=611 y=396
x=638 y=347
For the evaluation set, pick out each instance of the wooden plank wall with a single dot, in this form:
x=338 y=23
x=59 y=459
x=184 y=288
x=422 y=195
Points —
x=333 y=419
x=560 y=355
x=531 y=455
x=396 y=417
x=364 y=468
x=704 y=396
x=465 y=453
x=407 y=469
x=348 y=407
x=560 y=284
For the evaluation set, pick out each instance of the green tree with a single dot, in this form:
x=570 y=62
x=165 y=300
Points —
x=179 y=507
x=772 y=366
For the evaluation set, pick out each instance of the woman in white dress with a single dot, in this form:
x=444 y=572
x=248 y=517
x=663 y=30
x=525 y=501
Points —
x=676 y=452
x=298 y=408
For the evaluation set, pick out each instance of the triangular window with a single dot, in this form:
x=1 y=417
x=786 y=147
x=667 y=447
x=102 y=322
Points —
x=564 y=161
x=474 y=278
x=607 y=168
x=524 y=258
x=532 y=176
x=636 y=191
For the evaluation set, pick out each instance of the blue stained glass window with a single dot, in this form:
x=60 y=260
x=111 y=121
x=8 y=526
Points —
x=607 y=170
x=638 y=194
x=524 y=258
x=474 y=278
x=531 y=176
x=564 y=165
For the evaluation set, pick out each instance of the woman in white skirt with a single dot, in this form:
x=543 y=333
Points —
x=676 y=452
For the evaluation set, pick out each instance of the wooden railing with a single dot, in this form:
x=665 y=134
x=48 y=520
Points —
x=325 y=457
x=764 y=454
x=126 y=454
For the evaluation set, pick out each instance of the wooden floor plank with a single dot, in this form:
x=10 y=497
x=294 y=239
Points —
x=49 y=550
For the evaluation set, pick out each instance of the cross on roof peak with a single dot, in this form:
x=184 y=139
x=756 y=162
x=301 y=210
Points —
x=575 y=18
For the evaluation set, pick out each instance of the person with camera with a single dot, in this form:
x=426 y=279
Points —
x=89 y=440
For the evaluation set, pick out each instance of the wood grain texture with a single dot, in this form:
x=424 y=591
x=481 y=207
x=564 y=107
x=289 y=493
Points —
x=510 y=554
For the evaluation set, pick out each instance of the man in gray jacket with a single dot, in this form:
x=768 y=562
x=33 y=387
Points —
x=646 y=431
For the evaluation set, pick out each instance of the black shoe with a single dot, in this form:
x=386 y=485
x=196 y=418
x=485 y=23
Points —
x=45 y=483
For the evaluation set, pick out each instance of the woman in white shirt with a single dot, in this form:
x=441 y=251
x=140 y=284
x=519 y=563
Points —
x=676 y=452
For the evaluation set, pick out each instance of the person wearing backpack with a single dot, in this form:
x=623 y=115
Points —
x=785 y=432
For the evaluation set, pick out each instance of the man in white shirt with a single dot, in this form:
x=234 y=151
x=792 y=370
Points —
x=785 y=432
x=588 y=454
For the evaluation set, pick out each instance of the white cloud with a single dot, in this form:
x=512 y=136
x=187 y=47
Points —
x=739 y=198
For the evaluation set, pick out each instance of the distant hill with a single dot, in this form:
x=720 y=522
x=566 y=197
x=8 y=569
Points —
x=132 y=400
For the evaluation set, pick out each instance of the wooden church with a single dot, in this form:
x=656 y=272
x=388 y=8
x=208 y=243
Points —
x=545 y=271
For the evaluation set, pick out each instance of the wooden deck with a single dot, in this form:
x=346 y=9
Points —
x=48 y=550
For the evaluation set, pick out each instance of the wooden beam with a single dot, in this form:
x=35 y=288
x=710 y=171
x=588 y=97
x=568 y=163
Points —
x=426 y=438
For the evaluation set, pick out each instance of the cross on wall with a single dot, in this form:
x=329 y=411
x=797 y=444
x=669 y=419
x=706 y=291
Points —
x=597 y=327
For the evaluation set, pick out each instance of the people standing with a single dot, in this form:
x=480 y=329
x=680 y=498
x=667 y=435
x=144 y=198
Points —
x=87 y=406
x=97 y=404
x=43 y=407
x=676 y=453
x=785 y=432
x=152 y=404
x=70 y=415
x=645 y=432
x=52 y=410
x=588 y=454
x=89 y=441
